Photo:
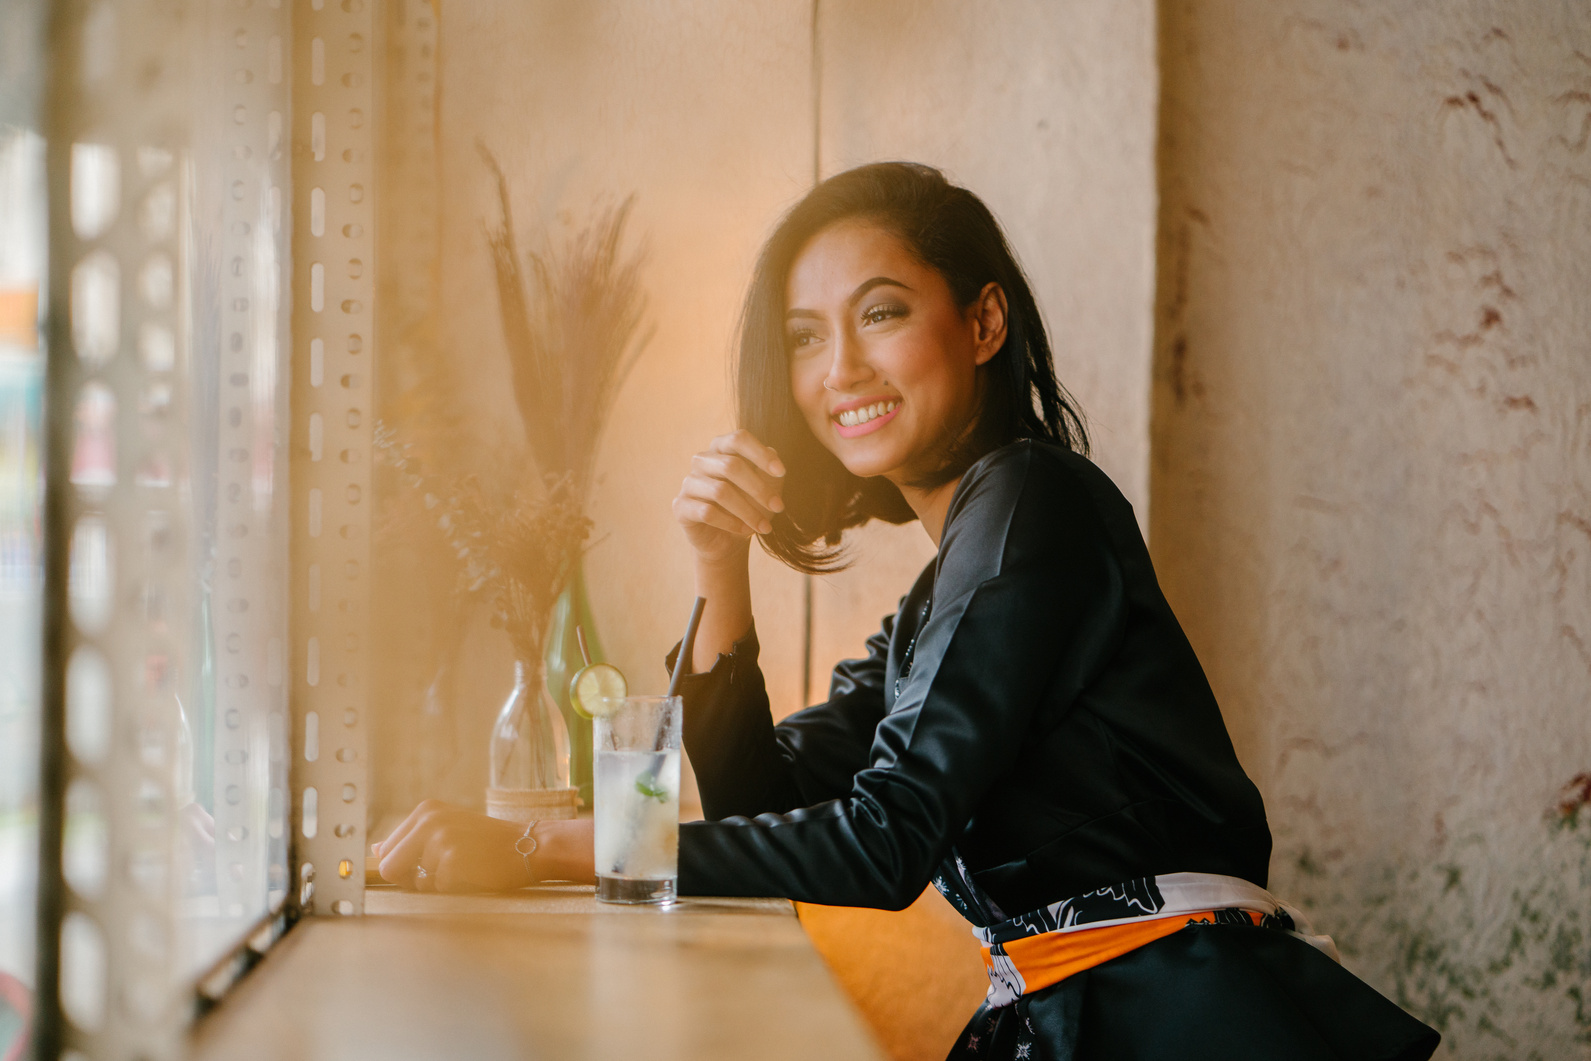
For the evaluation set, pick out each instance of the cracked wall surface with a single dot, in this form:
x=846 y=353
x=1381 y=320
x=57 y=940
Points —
x=1371 y=475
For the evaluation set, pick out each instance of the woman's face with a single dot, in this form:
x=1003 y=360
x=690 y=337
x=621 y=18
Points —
x=883 y=363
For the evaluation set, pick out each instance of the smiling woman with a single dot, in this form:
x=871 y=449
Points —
x=1030 y=732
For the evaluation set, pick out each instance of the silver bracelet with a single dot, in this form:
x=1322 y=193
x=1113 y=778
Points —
x=526 y=845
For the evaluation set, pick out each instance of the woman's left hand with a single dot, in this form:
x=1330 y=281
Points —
x=442 y=848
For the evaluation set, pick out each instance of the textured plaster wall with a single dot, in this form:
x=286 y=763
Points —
x=1372 y=474
x=1047 y=110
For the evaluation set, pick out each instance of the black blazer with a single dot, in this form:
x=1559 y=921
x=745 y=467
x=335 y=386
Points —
x=1033 y=705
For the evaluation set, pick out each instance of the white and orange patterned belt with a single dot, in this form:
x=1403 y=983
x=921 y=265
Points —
x=1035 y=950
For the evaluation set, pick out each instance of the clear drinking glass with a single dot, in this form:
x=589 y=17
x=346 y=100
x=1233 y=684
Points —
x=637 y=799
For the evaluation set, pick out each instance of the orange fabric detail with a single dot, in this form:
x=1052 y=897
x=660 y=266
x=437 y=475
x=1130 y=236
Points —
x=1051 y=957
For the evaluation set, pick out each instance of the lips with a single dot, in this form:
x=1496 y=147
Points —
x=865 y=417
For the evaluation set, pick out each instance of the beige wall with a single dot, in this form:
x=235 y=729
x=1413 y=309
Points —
x=1372 y=473
x=699 y=110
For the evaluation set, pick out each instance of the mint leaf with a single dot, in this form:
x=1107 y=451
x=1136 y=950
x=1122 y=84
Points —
x=648 y=785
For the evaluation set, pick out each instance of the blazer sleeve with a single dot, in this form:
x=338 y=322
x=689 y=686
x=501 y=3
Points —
x=745 y=765
x=1027 y=593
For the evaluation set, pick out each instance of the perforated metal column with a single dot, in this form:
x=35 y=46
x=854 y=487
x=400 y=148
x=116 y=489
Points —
x=333 y=354
x=117 y=519
x=247 y=56
x=410 y=209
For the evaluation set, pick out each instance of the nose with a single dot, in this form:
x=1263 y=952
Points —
x=849 y=366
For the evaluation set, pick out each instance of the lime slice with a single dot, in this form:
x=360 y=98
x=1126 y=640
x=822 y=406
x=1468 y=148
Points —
x=592 y=688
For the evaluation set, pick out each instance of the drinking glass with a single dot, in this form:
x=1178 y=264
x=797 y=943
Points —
x=637 y=799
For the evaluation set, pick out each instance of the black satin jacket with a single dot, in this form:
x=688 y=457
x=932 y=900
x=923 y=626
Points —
x=1033 y=709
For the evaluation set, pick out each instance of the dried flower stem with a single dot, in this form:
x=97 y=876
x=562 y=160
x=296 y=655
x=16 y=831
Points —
x=572 y=326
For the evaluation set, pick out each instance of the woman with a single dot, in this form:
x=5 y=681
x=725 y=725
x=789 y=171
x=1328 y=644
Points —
x=1031 y=731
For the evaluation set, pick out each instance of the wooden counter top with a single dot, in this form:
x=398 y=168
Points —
x=549 y=974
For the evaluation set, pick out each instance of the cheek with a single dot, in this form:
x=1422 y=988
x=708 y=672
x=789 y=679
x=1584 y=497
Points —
x=920 y=371
x=944 y=370
x=806 y=387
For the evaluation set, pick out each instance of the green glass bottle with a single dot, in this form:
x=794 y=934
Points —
x=563 y=659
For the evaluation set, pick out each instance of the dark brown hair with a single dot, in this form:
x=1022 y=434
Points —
x=952 y=231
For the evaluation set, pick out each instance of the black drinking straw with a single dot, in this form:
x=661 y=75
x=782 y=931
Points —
x=685 y=646
x=673 y=690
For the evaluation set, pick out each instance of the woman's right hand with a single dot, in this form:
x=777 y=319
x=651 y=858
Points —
x=440 y=848
x=733 y=490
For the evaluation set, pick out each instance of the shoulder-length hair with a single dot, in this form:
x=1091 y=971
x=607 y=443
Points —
x=951 y=230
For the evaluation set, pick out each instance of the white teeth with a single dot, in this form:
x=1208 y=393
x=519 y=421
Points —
x=853 y=417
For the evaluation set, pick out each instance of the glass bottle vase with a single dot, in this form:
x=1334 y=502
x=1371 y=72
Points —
x=530 y=744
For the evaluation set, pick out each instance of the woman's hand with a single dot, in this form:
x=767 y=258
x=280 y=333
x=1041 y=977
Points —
x=732 y=492
x=464 y=851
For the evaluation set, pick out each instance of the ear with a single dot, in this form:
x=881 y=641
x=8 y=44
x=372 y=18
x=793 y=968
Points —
x=988 y=317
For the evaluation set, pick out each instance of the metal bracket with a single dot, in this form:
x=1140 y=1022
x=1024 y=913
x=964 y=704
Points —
x=333 y=361
x=246 y=50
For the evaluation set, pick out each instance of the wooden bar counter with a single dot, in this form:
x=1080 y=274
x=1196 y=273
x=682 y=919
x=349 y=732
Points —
x=549 y=974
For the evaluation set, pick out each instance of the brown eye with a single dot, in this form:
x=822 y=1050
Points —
x=883 y=313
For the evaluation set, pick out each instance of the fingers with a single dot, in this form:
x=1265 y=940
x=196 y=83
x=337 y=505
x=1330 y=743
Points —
x=426 y=873
x=403 y=852
x=749 y=446
x=380 y=848
x=694 y=510
x=735 y=486
x=748 y=478
x=731 y=499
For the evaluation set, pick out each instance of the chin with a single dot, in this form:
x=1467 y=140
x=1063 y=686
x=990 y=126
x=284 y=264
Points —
x=866 y=458
x=867 y=471
x=867 y=466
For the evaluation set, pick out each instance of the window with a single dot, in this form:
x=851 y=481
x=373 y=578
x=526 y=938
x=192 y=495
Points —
x=151 y=756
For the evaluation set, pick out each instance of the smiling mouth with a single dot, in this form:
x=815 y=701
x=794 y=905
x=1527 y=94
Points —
x=866 y=419
x=866 y=414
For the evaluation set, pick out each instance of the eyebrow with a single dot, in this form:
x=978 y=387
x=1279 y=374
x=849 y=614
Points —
x=861 y=289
